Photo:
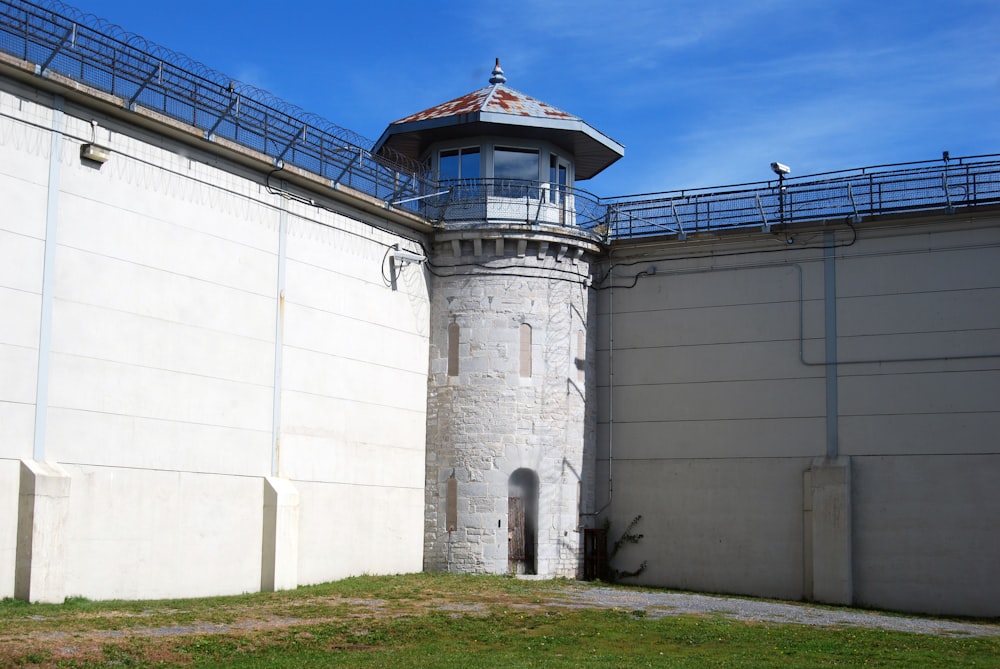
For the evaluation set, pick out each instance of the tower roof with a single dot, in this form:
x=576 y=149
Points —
x=501 y=111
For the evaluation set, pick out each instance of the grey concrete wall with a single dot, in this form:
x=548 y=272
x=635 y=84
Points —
x=925 y=532
x=712 y=525
x=715 y=401
x=919 y=413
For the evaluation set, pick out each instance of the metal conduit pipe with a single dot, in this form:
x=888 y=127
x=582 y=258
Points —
x=611 y=392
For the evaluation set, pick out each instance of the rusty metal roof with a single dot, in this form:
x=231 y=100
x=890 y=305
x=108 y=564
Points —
x=500 y=111
x=497 y=98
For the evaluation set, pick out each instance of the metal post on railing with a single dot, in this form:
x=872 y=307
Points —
x=856 y=218
x=194 y=105
x=24 y=55
x=969 y=191
x=765 y=224
x=947 y=194
x=681 y=234
x=41 y=68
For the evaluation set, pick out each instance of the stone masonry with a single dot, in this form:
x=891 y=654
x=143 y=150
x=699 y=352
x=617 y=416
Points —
x=491 y=420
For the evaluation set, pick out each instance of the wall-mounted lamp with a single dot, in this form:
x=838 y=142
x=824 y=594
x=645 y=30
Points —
x=397 y=258
x=92 y=151
x=402 y=255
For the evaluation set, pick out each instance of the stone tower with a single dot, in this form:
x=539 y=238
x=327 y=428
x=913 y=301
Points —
x=510 y=414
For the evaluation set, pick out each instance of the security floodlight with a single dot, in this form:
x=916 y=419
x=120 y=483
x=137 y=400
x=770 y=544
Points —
x=92 y=151
x=403 y=255
x=95 y=153
x=780 y=169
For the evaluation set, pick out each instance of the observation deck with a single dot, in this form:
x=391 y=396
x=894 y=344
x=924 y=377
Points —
x=472 y=202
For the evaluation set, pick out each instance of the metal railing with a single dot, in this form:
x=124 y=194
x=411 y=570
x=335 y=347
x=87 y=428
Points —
x=58 y=38
x=850 y=195
x=515 y=202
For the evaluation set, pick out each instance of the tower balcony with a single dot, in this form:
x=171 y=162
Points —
x=472 y=203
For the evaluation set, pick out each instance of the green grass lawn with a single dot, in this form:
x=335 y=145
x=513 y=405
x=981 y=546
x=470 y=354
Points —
x=441 y=621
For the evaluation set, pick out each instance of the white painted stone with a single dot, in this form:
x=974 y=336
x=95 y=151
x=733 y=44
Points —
x=491 y=422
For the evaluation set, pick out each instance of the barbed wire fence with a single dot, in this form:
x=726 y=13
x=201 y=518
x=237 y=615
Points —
x=59 y=38
x=56 y=37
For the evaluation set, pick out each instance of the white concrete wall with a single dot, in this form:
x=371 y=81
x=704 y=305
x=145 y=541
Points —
x=710 y=416
x=23 y=178
x=161 y=378
x=353 y=404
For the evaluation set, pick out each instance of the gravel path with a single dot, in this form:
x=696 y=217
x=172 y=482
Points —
x=661 y=604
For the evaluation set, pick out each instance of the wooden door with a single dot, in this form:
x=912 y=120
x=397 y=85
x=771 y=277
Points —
x=516 y=539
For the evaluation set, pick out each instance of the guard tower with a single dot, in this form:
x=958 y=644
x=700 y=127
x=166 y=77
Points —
x=511 y=422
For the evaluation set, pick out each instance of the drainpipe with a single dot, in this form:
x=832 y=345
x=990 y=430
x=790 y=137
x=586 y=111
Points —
x=611 y=393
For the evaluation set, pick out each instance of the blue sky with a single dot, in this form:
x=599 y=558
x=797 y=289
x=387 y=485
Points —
x=700 y=93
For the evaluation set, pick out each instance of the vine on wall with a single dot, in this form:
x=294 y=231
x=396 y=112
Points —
x=629 y=536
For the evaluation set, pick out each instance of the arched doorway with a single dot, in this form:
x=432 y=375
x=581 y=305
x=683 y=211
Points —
x=522 y=521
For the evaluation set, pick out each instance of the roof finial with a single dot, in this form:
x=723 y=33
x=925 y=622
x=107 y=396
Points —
x=498 y=77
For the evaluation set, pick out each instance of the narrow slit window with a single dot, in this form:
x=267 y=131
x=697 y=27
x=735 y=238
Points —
x=581 y=354
x=453 y=349
x=525 y=351
x=451 y=504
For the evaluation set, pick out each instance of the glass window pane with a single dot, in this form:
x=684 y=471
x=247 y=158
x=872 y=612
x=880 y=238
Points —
x=515 y=164
x=470 y=163
x=515 y=172
x=448 y=166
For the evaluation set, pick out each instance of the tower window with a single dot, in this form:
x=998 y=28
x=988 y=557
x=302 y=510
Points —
x=558 y=179
x=515 y=172
x=525 y=350
x=453 y=349
x=460 y=168
x=451 y=504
